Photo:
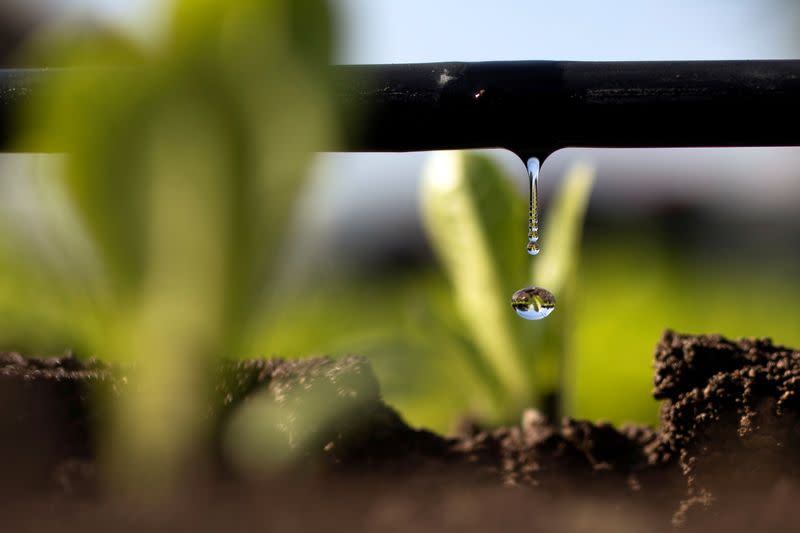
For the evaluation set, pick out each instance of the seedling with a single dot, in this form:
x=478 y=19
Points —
x=184 y=160
x=475 y=220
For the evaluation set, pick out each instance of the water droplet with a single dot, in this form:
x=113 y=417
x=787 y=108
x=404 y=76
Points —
x=533 y=303
x=533 y=208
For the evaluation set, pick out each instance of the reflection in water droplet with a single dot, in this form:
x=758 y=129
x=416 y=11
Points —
x=533 y=208
x=533 y=303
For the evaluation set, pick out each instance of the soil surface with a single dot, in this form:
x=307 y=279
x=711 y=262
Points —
x=725 y=456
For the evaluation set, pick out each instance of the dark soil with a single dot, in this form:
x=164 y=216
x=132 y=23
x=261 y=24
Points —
x=726 y=454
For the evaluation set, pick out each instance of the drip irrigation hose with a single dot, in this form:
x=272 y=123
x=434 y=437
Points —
x=536 y=107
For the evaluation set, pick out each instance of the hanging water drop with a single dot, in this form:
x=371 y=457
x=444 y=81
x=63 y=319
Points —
x=533 y=207
x=533 y=303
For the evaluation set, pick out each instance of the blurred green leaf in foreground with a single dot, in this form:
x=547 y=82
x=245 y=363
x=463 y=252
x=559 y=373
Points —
x=184 y=160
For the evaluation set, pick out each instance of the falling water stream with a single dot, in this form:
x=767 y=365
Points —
x=533 y=303
x=533 y=207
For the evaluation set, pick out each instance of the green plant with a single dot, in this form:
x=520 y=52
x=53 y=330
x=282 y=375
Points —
x=432 y=364
x=183 y=160
x=474 y=219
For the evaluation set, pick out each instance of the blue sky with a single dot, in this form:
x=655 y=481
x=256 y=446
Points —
x=391 y=31
x=379 y=31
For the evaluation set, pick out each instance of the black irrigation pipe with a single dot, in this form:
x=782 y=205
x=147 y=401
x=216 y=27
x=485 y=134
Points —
x=536 y=107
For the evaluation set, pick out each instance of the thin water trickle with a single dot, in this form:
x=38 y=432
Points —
x=533 y=207
x=533 y=303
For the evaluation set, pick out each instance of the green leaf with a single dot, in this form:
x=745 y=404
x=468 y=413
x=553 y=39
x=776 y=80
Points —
x=183 y=171
x=475 y=220
x=555 y=269
x=557 y=263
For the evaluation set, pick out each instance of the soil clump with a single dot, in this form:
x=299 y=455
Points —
x=726 y=453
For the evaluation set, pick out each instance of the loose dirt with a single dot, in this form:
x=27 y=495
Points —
x=725 y=455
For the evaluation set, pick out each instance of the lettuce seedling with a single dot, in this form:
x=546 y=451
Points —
x=475 y=220
x=184 y=157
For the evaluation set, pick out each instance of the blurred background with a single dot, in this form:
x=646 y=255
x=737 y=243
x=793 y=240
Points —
x=702 y=241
